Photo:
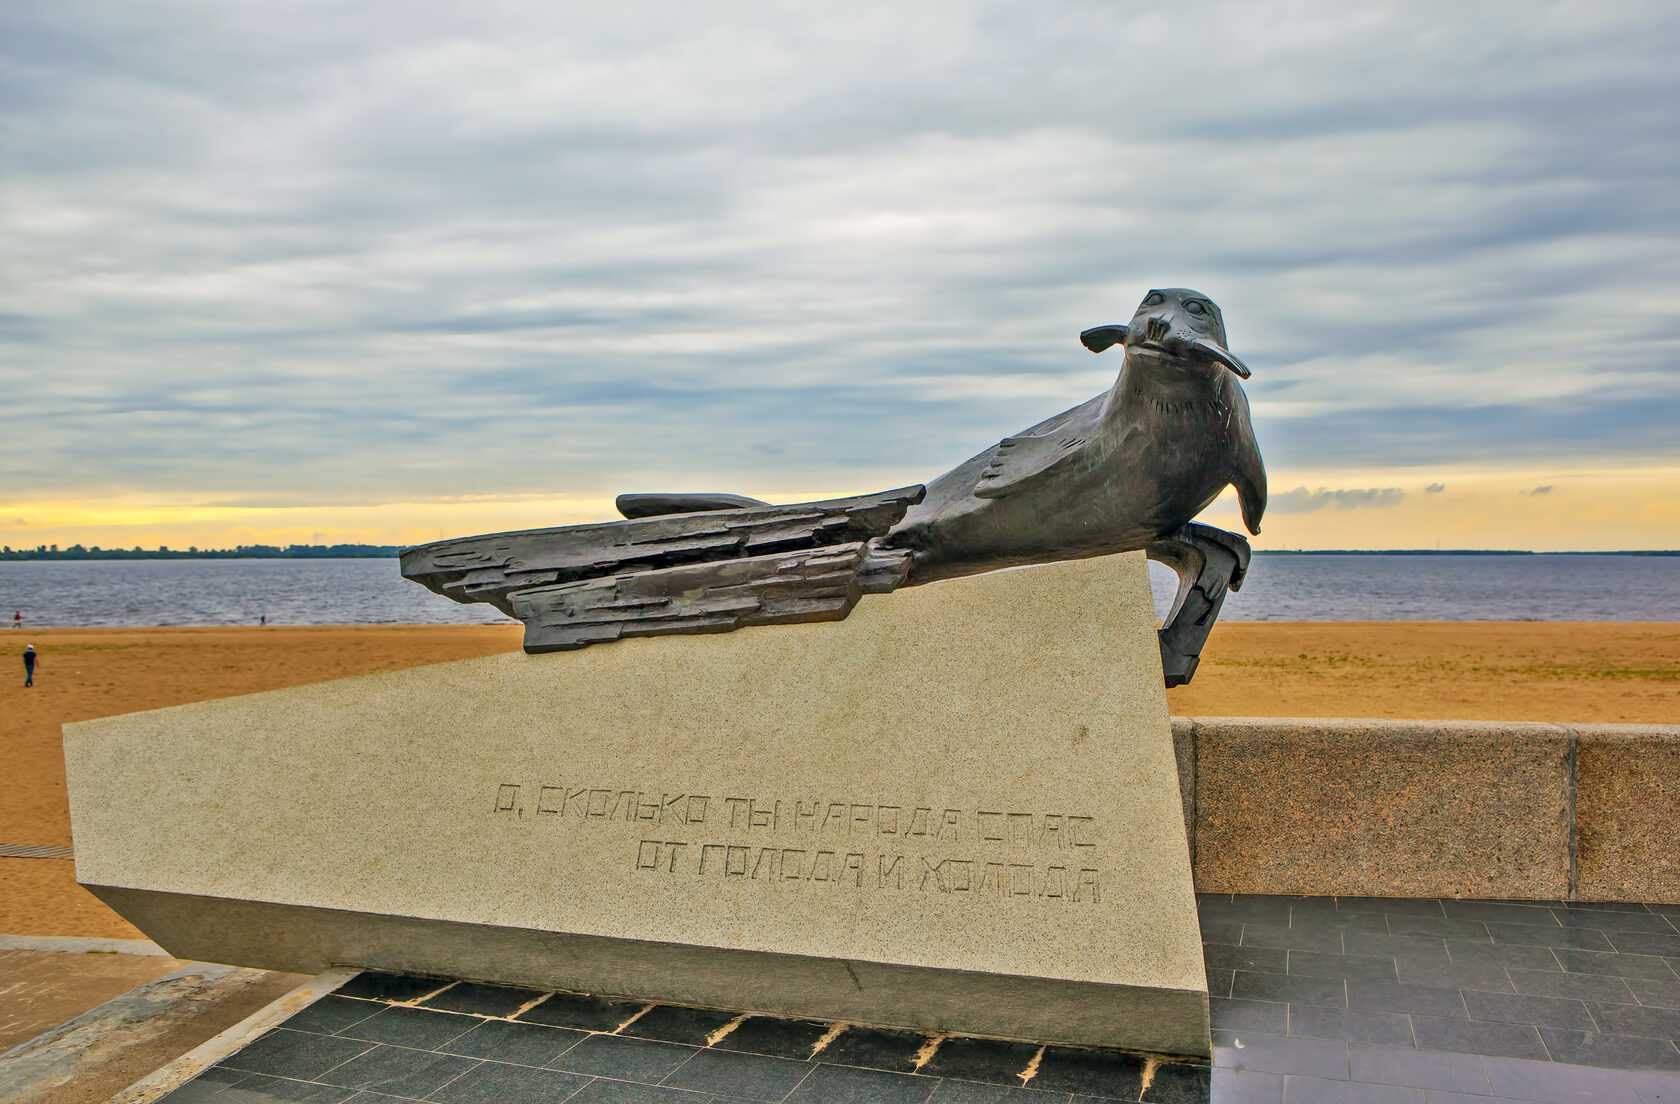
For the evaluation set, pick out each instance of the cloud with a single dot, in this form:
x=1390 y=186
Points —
x=1302 y=501
x=384 y=251
x=1547 y=489
x=1435 y=488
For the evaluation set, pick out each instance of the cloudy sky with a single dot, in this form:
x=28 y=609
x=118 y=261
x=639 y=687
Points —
x=389 y=271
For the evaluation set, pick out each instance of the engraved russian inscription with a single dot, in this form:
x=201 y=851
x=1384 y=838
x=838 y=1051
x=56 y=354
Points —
x=998 y=852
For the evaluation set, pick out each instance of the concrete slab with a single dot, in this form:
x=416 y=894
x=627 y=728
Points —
x=958 y=809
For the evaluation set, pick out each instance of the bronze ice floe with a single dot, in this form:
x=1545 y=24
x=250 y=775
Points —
x=1125 y=471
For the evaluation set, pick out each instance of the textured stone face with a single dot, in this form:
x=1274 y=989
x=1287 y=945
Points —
x=956 y=809
x=1382 y=808
x=1628 y=812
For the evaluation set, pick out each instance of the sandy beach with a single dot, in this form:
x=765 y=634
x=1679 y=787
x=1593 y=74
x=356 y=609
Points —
x=1538 y=671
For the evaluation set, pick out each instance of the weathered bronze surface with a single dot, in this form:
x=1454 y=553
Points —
x=1125 y=471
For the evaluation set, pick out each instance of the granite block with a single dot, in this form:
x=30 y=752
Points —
x=1627 y=803
x=1386 y=808
x=890 y=819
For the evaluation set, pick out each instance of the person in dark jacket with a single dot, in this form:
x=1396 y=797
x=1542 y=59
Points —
x=29 y=660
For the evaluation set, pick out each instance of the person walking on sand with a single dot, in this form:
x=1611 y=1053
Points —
x=29 y=660
x=17 y=619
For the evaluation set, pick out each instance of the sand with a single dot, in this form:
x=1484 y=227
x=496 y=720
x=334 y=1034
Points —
x=1529 y=671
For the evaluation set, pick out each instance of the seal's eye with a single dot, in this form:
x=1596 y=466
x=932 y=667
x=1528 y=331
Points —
x=1154 y=299
x=1195 y=306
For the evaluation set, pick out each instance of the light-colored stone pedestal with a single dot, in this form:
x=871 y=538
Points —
x=958 y=809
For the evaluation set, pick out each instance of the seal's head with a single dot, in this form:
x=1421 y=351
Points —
x=1168 y=313
x=1171 y=322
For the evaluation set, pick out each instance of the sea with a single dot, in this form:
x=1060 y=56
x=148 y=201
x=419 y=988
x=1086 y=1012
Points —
x=67 y=593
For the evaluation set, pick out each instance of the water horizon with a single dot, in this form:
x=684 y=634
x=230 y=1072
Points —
x=138 y=593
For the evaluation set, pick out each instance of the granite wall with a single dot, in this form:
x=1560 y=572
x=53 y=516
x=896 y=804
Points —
x=1432 y=808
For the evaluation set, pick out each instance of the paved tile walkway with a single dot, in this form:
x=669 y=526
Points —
x=1314 y=999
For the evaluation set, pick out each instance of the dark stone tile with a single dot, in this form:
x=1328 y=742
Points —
x=1219 y=982
x=972 y=1092
x=1510 y=1040
x=1291 y=939
x=411 y=1027
x=672 y=1023
x=1642 y=943
x=1290 y=989
x=1526 y=1009
x=1222 y=931
x=1392 y=906
x=330 y=1014
x=1612 y=922
x=1270 y=1017
x=501 y=1083
x=775 y=1036
x=1614 y=965
x=381 y=1098
x=1551 y=983
x=1250 y=907
x=375 y=985
x=1535 y=935
x=1604 y=906
x=522 y=1043
x=875 y=1048
x=581 y=1012
x=1498 y=911
x=1655 y=992
x=990 y=1060
x=849 y=1085
x=283 y=1053
x=1653 y=1087
x=399 y=1071
x=1556 y=1083
x=257 y=1088
x=624 y=1059
x=1272 y=1054
x=1509 y=955
x=195 y=1092
x=604 y=1091
x=1454 y=975
x=1091 y=1072
x=481 y=1000
x=1329 y=920
x=1179 y=1083
x=1315 y=1090
x=206 y=1087
x=1597 y=1048
x=1350 y=1025
x=1266 y=960
x=1349 y=967
x=1422 y=1000
x=1418 y=1069
x=1637 y=1019
x=1241 y=1086
x=734 y=1075
x=1422 y=948
x=1439 y=927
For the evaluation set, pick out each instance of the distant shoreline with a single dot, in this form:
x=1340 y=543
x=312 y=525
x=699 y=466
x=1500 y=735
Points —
x=376 y=551
x=243 y=552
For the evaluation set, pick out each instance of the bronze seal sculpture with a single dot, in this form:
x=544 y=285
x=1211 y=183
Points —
x=1125 y=471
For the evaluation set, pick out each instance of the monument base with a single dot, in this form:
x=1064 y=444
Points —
x=957 y=810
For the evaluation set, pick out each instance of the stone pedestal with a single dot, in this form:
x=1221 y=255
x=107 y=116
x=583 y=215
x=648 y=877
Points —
x=956 y=810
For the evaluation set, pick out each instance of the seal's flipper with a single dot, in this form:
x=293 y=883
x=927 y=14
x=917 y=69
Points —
x=1098 y=338
x=658 y=505
x=1248 y=471
x=1018 y=462
x=1209 y=562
